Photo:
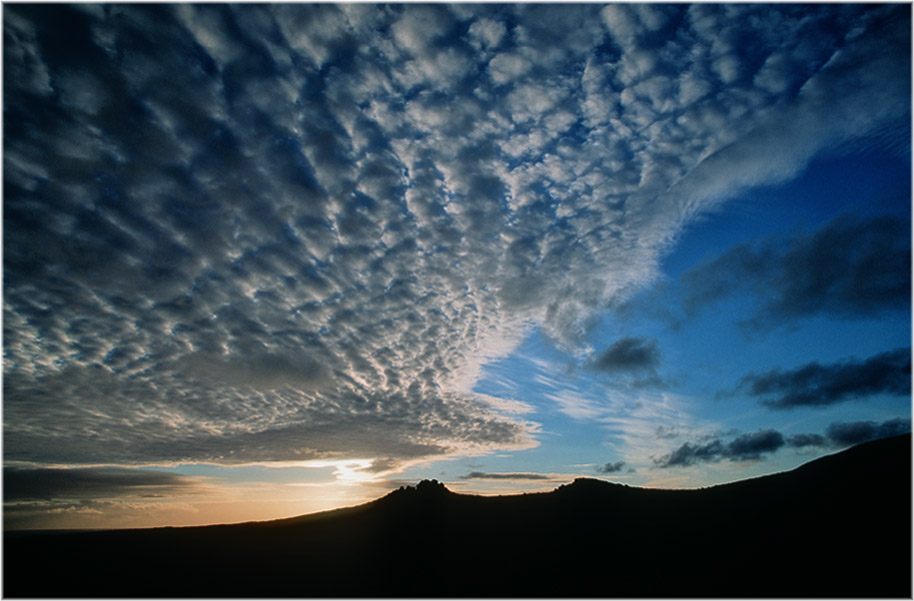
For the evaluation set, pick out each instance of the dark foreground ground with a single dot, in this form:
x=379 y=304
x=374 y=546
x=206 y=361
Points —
x=839 y=526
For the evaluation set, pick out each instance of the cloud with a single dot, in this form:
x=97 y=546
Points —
x=487 y=33
x=47 y=484
x=817 y=385
x=754 y=446
x=851 y=433
x=629 y=355
x=690 y=453
x=746 y=447
x=258 y=233
x=611 y=468
x=851 y=267
x=503 y=476
x=506 y=67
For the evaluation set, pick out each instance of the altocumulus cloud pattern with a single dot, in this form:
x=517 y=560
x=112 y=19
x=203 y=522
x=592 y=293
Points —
x=259 y=233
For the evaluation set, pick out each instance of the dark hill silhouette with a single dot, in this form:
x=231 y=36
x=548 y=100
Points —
x=839 y=526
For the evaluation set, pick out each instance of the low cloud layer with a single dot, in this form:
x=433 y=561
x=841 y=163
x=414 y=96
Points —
x=80 y=497
x=259 y=233
x=504 y=476
x=817 y=385
x=42 y=484
x=752 y=447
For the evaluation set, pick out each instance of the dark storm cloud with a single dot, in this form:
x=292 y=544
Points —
x=742 y=448
x=851 y=267
x=629 y=355
x=691 y=453
x=611 y=468
x=753 y=446
x=816 y=385
x=30 y=484
x=240 y=233
x=850 y=433
x=503 y=476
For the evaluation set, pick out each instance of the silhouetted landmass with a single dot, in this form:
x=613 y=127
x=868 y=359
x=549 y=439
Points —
x=839 y=526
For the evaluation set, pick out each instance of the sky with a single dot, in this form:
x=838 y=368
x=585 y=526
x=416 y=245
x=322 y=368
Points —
x=261 y=260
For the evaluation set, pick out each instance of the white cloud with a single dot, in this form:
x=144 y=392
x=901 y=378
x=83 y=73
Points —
x=507 y=67
x=25 y=62
x=305 y=242
x=621 y=22
x=418 y=27
x=310 y=31
x=208 y=28
x=487 y=33
x=530 y=102
x=728 y=67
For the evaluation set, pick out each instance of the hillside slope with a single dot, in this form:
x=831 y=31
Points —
x=839 y=526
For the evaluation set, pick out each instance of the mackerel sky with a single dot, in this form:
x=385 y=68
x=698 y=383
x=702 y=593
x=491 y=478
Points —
x=264 y=259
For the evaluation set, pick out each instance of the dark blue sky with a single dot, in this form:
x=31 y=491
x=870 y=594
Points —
x=265 y=259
